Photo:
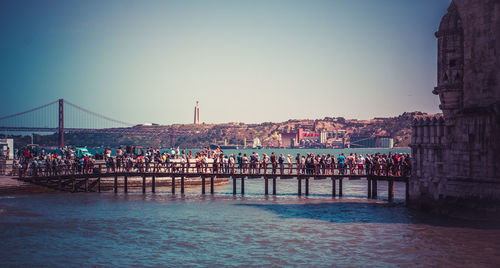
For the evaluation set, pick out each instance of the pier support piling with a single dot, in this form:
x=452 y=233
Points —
x=374 y=188
x=202 y=185
x=334 y=190
x=173 y=185
x=340 y=187
x=407 y=192
x=125 y=184
x=182 y=184
x=266 y=186
x=299 y=186
x=99 y=184
x=369 y=187
x=143 y=184
x=390 y=190
x=274 y=186
x=212 y=185
x=153 y=184
x=242 y=185
x=234 y=186
x=307 y=186
x=115 y=185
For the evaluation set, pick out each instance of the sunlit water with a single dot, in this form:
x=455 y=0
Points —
x=286 y=151
x=161 y=229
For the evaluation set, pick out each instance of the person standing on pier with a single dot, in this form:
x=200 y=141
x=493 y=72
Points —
x=257 y=162
x=368 y=164
x=274 y=162
x=297 y=162
x=360 y=161
x=341 y=164
x=239 y=159
x=224 y=163
x=245 y=163
x=332 y=164
x=350 y=163
x=231 y=163
x=303 y=164
x=308 y=163
x=281 y=160
x=289 y=162
x=328 y=161
x=267 y=158
x=252 y=163
x=322 y=164
x=397 y=164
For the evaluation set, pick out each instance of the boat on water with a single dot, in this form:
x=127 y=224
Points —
x=224 y=147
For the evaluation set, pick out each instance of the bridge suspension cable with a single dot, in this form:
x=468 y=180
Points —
x=97 y=115
x=28 y=111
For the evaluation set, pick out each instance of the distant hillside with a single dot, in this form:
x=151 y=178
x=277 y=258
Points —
x=202 y=135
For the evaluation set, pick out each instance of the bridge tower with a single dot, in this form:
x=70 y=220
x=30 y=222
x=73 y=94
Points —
x=61 y=123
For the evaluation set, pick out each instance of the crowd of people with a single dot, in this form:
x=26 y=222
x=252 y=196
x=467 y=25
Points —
x=66 y=161
x=39 y=162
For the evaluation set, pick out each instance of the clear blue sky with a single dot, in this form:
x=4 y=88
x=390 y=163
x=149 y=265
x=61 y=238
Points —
x=245 y=61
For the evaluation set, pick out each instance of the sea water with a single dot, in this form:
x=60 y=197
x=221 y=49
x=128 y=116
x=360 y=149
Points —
x=284 y=151
x=194 y=230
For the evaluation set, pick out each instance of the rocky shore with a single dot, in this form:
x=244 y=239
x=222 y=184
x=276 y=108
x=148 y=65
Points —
x=9 y=185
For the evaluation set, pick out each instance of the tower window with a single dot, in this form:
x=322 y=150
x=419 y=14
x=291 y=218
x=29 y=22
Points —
x=453 y=63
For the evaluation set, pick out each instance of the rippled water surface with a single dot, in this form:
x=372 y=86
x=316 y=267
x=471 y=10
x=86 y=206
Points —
x=107 y=229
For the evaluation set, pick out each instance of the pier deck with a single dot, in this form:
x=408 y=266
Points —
x=89 y=180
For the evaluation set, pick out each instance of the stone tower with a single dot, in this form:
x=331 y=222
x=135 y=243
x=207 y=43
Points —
x=456 y=156
x=450 y=86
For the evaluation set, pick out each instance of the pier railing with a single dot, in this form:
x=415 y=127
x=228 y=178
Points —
x=188 y=168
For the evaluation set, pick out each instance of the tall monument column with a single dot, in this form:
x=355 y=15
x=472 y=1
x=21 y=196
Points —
x=197 y=114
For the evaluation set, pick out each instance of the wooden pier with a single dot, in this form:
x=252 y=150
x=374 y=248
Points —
x=72 y=181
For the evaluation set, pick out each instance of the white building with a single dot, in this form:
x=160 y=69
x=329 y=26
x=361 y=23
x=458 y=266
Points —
x=323 y=137
x=7 y=143
x=386 y=142
x=256 y=143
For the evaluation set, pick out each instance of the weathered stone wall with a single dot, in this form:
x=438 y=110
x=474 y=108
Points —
x=481 y=23
x=457 y=156
x=428 y=144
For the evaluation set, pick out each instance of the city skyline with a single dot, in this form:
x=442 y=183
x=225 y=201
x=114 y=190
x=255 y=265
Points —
x=246 y=62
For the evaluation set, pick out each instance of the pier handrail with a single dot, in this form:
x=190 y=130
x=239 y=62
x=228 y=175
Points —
x=247 y=169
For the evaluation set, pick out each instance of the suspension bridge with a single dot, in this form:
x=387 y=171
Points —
x=62 y=116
